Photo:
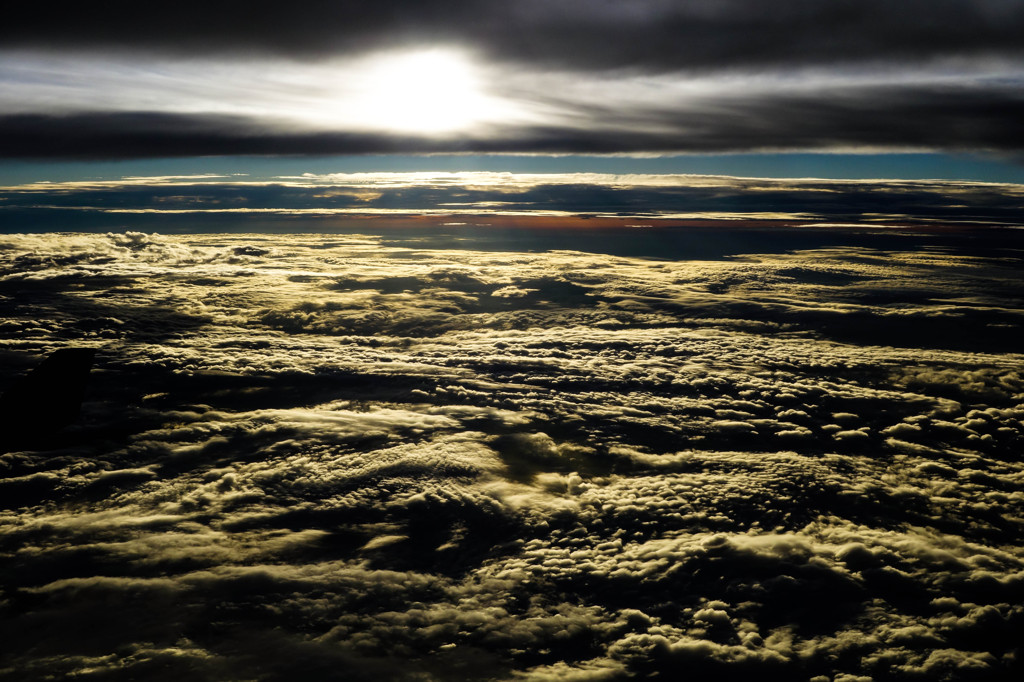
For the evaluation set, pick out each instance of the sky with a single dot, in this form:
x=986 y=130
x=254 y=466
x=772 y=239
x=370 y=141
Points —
x=574 y=77
x=582 y=340
x=843 y=90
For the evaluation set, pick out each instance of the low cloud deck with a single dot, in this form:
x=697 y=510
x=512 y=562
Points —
x=371 y=457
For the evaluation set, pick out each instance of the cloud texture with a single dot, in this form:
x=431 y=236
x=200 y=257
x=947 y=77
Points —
x=657 y=34
x=577 y=76
x=356 y=457
x=476 y=198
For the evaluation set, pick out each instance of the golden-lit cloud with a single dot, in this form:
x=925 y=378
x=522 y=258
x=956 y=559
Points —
x=408 y=460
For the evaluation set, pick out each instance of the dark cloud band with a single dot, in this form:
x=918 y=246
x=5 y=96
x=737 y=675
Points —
x=650 y=34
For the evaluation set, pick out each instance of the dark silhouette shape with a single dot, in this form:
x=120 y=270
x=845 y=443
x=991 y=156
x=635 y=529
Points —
x=46 y=399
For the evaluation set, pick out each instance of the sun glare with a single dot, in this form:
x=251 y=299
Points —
x=428 y=91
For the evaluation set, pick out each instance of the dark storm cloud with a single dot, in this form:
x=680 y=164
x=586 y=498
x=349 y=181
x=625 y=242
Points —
x=953 y=117
x=579 y=34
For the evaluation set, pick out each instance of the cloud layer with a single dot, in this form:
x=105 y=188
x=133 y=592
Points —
x=582 y=34
x=545 y=200
x=587 y=76
x=355 y=457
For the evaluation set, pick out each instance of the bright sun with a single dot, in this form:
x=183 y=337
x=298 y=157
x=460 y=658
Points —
x=428 y=91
